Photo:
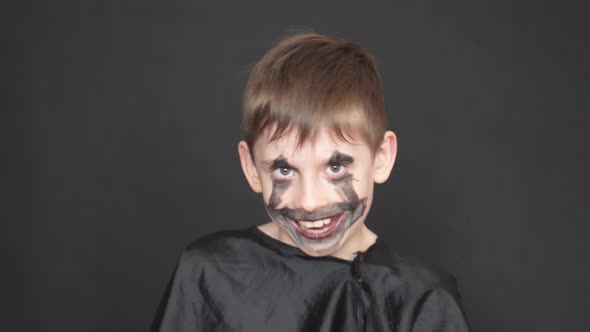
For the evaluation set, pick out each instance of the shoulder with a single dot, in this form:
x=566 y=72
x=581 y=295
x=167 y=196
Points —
x=433 y=297
x=414 y=276
x=420 y=276
x=223 y=245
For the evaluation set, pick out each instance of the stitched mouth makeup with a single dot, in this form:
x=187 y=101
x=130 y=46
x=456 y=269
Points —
x=319 y=229
x=322 y=223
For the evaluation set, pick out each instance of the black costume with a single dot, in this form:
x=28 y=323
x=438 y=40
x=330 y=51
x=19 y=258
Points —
x=247 y=281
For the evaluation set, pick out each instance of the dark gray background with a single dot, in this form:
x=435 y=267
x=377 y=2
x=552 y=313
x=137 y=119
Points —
x=120 y=121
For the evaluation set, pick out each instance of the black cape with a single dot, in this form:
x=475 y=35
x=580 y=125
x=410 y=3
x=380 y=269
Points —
x=247 y=281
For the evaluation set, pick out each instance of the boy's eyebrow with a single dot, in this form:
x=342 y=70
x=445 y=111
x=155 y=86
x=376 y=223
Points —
x=339 y=158
x=279 y=162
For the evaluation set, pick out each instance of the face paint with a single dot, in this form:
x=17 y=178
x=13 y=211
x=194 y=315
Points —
x=278 y=186
x=321 y=230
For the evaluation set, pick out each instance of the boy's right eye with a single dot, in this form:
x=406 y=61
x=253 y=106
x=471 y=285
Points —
x=283 y=172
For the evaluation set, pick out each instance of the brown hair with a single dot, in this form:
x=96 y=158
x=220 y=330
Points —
x=307 y=81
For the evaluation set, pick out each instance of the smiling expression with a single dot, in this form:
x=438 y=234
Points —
x=325 y=226
x=319 y=193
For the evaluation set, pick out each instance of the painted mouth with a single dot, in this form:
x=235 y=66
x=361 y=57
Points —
x=318 y=229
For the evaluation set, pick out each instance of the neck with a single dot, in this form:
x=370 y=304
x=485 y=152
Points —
x=361 y=240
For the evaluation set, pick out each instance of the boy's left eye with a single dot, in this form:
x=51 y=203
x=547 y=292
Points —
x=335 y=169
x=283 y=172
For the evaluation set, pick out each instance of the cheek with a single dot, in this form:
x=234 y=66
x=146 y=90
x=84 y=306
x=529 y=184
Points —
x=275 y=194
x=363 y=188
x=266 y=190
x=363 y=183
x=270 y=192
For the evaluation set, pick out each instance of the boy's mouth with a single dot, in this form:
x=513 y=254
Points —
x=318 y=229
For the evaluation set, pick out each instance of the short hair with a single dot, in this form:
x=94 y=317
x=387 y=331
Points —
x=309 y=81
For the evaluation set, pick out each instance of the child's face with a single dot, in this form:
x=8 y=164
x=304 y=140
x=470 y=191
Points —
x=319 y=193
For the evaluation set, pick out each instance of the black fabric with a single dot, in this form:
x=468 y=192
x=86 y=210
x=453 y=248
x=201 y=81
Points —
x=247 y=281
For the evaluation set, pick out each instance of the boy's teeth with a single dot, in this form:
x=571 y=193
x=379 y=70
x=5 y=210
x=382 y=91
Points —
x=317 y=231
x=306 y=224
x=314 y=224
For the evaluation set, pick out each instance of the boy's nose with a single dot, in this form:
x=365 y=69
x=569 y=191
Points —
x=312 y=195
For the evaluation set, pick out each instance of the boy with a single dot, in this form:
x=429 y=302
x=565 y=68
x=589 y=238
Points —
x=315 y=143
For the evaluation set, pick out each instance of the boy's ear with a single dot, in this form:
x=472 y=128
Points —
x=385 y=157
x=248 y=167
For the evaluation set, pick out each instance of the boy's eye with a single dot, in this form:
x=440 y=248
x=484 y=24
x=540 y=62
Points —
x=335 y=169
x=283 y=172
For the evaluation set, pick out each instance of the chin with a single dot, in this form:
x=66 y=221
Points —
x=319 y=251
x=326 y=247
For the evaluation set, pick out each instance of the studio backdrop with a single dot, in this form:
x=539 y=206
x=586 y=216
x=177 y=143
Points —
x=120 y=122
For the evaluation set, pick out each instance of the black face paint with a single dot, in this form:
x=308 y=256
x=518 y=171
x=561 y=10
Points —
x=342 y=215
x=278 y=186
x=280 y=162
x=345 y=187
x=338 y=158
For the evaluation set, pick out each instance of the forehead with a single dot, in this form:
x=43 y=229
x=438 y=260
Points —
x=320 y=146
